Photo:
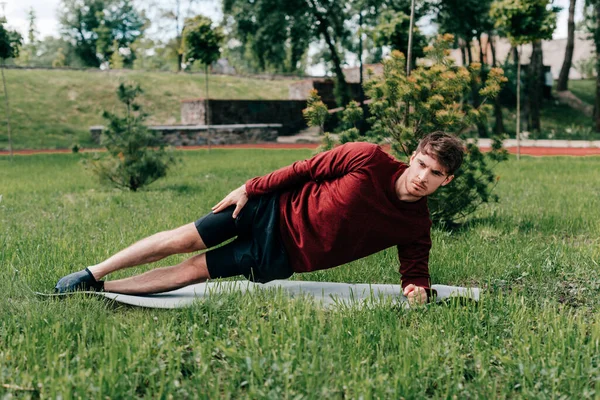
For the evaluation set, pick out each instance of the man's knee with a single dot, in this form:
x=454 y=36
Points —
x=184 y=239
x=196 y=270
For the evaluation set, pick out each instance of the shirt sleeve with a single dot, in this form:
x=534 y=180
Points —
x=414 y=262
x=328 y=165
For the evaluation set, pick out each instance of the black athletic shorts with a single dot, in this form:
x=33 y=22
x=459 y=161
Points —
x=257 y=251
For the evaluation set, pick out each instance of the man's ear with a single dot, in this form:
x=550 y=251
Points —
x=414 y=154
x=448 y=180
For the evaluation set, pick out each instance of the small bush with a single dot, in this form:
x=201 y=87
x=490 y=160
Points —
x=136 y=156
x=586 y=67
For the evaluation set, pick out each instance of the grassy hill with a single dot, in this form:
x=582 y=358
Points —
x=54 y=108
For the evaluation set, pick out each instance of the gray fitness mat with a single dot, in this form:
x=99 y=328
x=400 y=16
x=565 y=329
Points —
x=326 y=293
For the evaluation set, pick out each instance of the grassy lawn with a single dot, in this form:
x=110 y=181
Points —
x=535 y=334
x=585 y=89
x=54 y=109
x=557 y=122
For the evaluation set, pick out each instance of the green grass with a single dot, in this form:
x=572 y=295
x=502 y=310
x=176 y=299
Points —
x=535 y=334
x=585 y=89
x=54 y=109
x=557 y=122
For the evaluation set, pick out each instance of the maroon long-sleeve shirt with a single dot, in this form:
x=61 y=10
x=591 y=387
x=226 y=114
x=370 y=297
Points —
x=341 y=205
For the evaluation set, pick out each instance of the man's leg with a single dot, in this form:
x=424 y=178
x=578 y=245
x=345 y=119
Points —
x=184 y=239
x=193 y=270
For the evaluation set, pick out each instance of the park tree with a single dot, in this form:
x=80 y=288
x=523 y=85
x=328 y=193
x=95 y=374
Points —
x=136 y=156
x=405 y=108
x=202 y=43
x=469 y=21
x=116 y=59
x=10 y=42
x=168 y=18
x=563 y=78
x=28 y=51
x=52 y=50
x=60 y=59
x=592 y=22
x=275 y=35
x=392 y=30
x=527 y=21
x=92 y=26
x=153 y=55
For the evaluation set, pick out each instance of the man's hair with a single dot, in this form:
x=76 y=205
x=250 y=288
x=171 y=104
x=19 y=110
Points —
x=447 y=149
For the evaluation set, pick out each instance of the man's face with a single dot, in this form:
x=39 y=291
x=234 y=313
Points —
x=424 y=175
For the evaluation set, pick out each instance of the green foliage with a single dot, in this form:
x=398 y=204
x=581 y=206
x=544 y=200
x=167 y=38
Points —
x=59 y=60
x=201 y=41
x=92 y=26
x=116 y=59
x=316 y=111
x=525 y=21
x=136 y=155
x=351 y=115
x=10 y=43
x=154 y=55
x=465 y=18
x=273 y=35
x=432 y=99
x=586 y=67
x=50 y=52
x=393 y=31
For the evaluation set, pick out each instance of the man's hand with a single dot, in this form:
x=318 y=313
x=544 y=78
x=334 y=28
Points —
x=416 y=295
x=238 y=197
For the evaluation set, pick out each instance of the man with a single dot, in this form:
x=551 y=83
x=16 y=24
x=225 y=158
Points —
x=339 y=206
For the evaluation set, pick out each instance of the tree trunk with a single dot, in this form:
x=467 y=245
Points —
x=10 y=149
x=342 y=89
x=535 y=86
x=597 y=40
x=207 y=109
x=518 y=128
x=409 y=58
x=481 y=126
x=481 y=54
x=563 y=78
x=492 y=50
x=499 y=123
x=179 y=61
x=469 y=54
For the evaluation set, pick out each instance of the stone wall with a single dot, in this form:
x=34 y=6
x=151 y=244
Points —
x=197 y=135
x=288 y=113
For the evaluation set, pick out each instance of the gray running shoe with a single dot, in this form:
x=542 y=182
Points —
x=79 y=281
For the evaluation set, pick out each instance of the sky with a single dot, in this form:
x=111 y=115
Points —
x=47 y=22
